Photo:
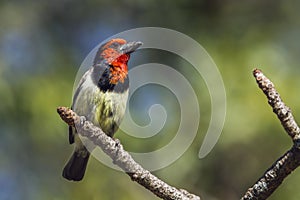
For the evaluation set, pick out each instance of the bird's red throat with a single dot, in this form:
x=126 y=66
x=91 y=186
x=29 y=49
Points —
x=119 y=69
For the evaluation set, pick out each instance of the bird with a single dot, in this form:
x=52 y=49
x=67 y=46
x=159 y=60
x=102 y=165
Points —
x=101 y=96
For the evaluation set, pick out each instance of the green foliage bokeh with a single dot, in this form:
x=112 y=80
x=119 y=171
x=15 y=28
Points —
x=43 y=43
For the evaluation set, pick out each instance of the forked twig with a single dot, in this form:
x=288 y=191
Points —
x=274 y=176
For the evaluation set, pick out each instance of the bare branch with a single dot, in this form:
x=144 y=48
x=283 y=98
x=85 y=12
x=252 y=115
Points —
x=114 y=149
x=274 y=176
x=283 y=112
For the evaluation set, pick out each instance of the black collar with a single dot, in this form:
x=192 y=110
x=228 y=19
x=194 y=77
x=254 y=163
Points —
x=100 y=77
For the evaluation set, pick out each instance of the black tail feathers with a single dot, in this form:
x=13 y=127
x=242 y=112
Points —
x=75 y=168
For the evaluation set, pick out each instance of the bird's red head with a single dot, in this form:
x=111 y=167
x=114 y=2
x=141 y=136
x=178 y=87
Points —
x=116 y=54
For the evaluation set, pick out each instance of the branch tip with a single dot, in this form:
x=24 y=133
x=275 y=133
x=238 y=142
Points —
x=255 y=71
x=67 y=115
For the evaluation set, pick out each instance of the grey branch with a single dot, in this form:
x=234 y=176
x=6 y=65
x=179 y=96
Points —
x=283 y=112
x=274 y=176
x=114 y=149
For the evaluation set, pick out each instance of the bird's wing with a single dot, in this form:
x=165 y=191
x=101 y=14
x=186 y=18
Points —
x=72 y=130
x=79 y=86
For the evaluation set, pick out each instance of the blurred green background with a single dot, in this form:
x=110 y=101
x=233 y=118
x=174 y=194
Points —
x=42 y=44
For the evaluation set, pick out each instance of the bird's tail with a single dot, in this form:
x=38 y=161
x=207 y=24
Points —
x=75 y=168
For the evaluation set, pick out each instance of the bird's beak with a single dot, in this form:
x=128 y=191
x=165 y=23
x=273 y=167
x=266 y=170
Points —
x=130 y=47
